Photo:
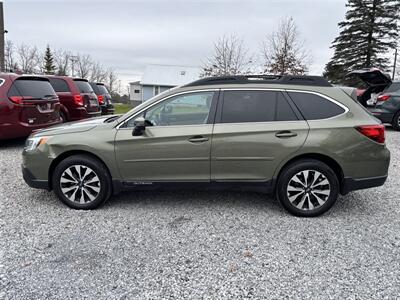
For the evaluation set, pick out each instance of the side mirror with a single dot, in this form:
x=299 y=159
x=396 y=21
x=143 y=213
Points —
x=140 y=126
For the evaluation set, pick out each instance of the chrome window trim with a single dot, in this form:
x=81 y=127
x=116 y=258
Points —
x=161 y=100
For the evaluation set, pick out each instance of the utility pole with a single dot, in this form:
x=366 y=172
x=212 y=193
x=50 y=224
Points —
x=395 y=63
x=2 y=32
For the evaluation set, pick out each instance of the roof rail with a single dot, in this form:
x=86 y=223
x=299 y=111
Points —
x=263 y=79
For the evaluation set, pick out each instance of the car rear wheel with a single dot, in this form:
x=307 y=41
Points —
x=396 y=121
x=82 y=182
x=307 y=188
x=63 y=117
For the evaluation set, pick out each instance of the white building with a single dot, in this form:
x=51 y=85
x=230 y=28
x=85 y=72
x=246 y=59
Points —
x=159 y=78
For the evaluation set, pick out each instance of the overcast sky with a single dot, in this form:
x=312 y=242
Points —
x=128 y=35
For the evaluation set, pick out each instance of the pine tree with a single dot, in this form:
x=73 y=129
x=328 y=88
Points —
x=369 y=31
x=49 y=67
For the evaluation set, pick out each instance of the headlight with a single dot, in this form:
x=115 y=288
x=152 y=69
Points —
x=34 y=142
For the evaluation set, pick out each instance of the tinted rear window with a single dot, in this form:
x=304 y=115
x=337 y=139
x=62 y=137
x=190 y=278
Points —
x=37 y=89
x=59 y=85
x=314 y=107
x=255 y=106
x=394 y=87
x=83 y=86
x=102 y=89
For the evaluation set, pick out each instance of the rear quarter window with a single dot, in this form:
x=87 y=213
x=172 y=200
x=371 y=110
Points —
x=315 y=107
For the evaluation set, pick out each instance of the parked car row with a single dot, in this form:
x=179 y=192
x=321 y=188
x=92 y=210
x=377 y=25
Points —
x=30 y=102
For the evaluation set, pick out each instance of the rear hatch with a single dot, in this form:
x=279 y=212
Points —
x=88 y=95
x=36 y=99
x=374 y=79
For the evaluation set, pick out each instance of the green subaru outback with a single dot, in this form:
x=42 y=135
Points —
x=296 y=137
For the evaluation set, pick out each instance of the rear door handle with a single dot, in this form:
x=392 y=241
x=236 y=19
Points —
x=285 y=134
x=198 y=139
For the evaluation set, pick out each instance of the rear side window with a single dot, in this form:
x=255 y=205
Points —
x=59 y=85
x=394 y=87
x=29 y=88
x=255 y=106
x=83 y=86
x=314 y=107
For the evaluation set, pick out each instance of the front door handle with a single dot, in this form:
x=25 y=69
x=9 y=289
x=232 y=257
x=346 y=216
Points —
x=198 y=139
x=285 y=134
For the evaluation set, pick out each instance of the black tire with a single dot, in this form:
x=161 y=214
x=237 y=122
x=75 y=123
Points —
x=310 y=207
x=100 y=189
x=396 y=121
x=63 y=117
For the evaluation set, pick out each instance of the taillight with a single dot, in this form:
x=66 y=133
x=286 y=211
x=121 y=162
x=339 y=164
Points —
x=19 y=99
x=374 y=132
x=383 y=98
x=101 y=99
x=78 y=100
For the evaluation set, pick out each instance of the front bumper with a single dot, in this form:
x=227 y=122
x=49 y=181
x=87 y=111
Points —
x=351 y=184
x=32 y=181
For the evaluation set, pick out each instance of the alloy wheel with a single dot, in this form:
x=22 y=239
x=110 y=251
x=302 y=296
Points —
x=308 y=190
x=80 y=184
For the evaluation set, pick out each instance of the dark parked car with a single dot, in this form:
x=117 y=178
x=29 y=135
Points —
x=104 y=97
x=386 y=106
x=27 y=103
x=77 y=98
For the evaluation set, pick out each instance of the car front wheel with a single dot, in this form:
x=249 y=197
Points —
x=81 y=182
x=307 y=188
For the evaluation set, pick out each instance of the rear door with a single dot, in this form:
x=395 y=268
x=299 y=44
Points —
x=255 y=130
x=88 y=95
x=36 y=99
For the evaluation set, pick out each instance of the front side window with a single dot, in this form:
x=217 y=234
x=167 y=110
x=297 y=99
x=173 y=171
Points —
x=314 y=107
x=187 y=109
x=255 y=106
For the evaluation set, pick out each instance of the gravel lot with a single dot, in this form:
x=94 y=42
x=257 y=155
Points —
x=174 y=245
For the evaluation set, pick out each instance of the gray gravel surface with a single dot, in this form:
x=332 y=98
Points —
x=176 y=245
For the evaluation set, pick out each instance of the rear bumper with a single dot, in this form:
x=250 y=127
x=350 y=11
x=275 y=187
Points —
x=351 y=184
x=17 y=130
x=81 y=113
x=32 y=181
x=107 y=109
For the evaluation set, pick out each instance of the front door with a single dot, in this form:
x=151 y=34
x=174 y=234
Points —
x=175 y=145
x=255 y=130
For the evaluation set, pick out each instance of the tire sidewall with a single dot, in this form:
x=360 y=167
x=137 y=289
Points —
x=395 y=124
x=297 y=167
x=97 y=167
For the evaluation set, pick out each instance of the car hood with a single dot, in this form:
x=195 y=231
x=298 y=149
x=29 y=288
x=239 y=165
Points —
x=372 y=77
x=72 y=127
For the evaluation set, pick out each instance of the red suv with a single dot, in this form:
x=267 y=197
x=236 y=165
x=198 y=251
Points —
x=27 y=103
x=77 y=98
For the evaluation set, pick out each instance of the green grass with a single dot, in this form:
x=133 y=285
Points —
x=121 y=108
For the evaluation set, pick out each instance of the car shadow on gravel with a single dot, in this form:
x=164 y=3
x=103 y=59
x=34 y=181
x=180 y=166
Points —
x=14 y=143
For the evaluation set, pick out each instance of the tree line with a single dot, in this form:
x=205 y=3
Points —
x=30 y=59
x=367 y=37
